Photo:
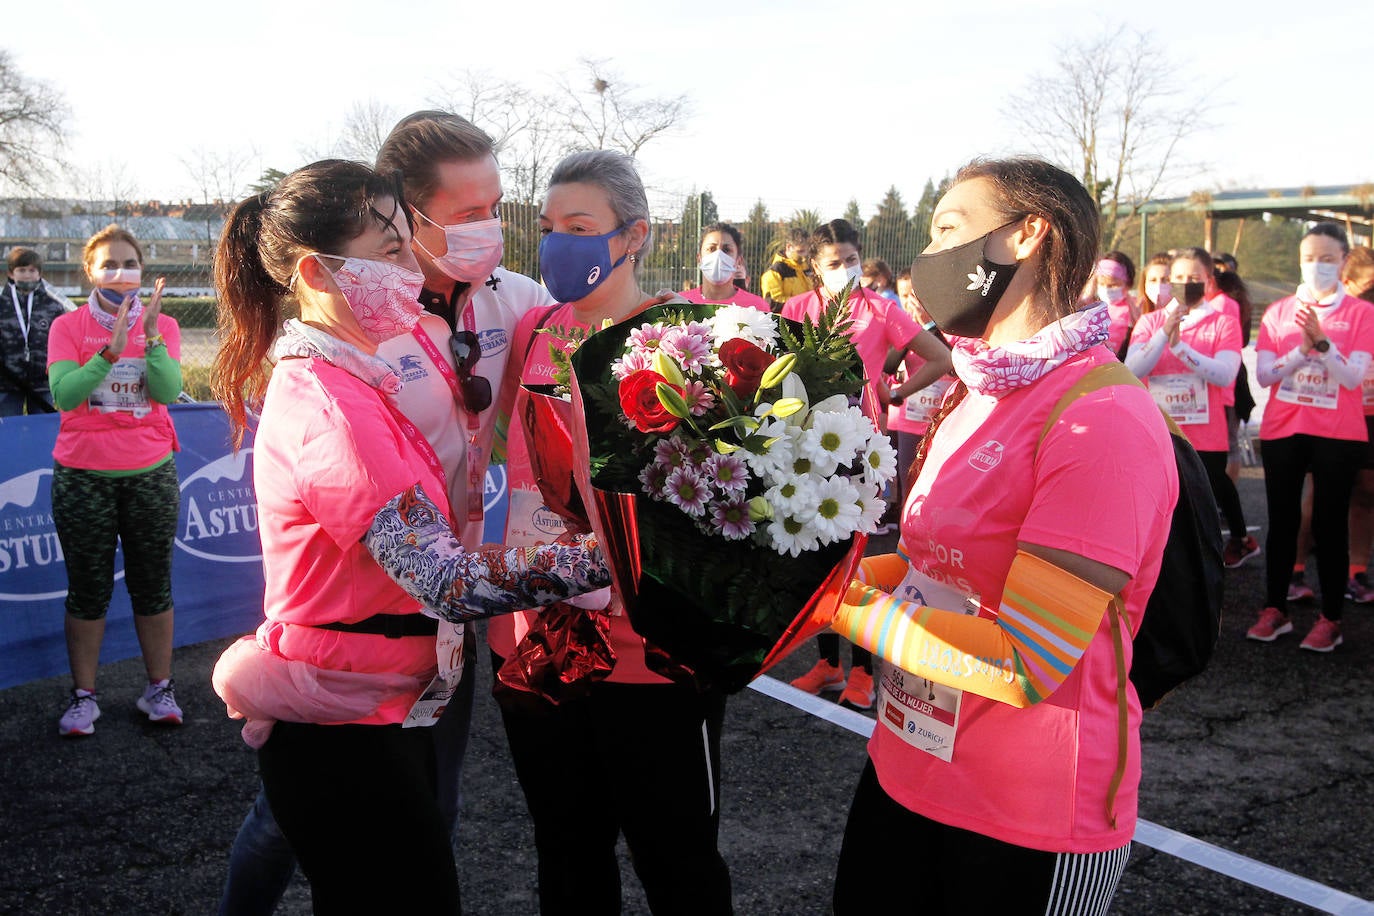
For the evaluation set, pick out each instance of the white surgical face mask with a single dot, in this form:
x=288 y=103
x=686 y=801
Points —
x=474 y=249
x=119 y=279
x=1320 y=277
x=1111 y=294
x=1159 y=291
x=717 y=266
x=836 y=278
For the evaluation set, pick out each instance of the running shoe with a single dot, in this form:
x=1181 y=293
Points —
x=1272 y=624
x=79 y=719
x=1238 y=550
x=1359 y=589
x=858 y=693
x=823 y=677
x=160 y=703
x=1324 y=636
x=1298 y=590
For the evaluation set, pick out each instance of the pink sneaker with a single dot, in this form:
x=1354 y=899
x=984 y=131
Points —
x=1272 y=624
x=1324 y=636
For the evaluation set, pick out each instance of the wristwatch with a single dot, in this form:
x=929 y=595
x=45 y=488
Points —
x=1322 y=345
x=104 y=353
x=894 y=397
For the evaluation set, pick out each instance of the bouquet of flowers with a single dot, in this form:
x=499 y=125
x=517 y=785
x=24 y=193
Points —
x=735 y=481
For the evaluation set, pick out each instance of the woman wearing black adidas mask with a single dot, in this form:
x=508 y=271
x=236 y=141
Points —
x=1004 y=754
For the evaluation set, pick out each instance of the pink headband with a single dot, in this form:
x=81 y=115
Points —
x=1114 y=269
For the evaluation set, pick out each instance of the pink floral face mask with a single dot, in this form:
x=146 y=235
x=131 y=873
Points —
x=384 y=296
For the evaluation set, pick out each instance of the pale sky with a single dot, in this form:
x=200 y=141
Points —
x=807 y=108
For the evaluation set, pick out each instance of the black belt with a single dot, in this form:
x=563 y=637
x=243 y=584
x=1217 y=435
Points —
x=392 y=626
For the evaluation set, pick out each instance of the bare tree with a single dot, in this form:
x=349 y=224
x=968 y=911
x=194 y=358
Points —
x=523 y=123
x=366 y=125
x=1113 y=110
x=606 y=112
x=31 y=121
x=219 y=175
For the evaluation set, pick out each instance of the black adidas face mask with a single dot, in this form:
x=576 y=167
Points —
x=959 y=287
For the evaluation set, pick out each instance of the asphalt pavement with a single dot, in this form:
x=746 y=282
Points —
x=1269 y=754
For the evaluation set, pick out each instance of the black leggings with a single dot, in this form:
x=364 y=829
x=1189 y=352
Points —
x=1333 y=464
x=358 y=805
x=1224 y=491
x=829 y=646
x=960 y=869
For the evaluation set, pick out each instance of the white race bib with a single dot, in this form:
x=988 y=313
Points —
x=124 y=388
x=1310 y=386
x=921 y=406
x=921 y=712
x=1183 y=396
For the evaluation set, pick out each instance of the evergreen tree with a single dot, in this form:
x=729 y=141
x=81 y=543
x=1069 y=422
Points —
x=758 y=239
x=855 y=218
x=889 y=231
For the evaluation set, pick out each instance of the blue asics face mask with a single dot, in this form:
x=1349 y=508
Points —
x=574 y=265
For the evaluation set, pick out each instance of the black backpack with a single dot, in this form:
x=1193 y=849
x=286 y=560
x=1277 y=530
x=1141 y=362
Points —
x=1183 y=615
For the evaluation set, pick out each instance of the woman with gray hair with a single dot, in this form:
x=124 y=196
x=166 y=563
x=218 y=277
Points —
x=627 y=751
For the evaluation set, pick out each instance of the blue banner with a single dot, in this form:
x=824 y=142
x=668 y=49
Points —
x=217 y=580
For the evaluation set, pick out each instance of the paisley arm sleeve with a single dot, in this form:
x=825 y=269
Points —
x=411 y=539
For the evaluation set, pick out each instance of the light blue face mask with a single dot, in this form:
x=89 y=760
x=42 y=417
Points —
x=572 y=266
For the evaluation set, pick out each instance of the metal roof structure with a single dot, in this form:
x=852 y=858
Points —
x=1352 y=205
x=145 y=228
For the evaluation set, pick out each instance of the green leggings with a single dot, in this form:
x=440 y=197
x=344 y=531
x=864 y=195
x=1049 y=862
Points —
x=92 y=512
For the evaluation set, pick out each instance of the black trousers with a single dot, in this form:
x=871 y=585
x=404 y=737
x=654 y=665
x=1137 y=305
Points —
x=358 y=804
x=948 y=870
x=637 y=759
x=1224 y=491
x=1333 y=464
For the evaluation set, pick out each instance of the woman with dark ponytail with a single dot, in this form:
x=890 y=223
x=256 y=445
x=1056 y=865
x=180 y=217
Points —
x=358 y=542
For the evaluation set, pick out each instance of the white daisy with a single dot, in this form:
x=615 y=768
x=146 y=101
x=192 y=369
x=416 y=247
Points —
x=871 y=508
x=837 y=510
x=790 y=535
x=833 y=439
x=880 y=459
x=796 y=497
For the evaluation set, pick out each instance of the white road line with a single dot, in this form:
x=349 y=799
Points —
x=1190 y=849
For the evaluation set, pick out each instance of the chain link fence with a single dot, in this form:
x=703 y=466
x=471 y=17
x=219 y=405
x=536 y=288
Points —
x=181 y=249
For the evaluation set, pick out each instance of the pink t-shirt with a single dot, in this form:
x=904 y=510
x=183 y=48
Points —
x=112 y=438
x=1101 y=485
x=738 y=297
x=328 y=454
x=879 y=323
x=1119 y=323
x=530 y=521
x=1212 y=333
x=1310 y=401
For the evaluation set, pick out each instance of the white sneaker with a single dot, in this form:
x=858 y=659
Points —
x=79 y=719
x=160 y=703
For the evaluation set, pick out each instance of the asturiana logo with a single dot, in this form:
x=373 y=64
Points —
x=548 y=521
x=494 y=487
x=219 y=512
x=492 y=341
x=29 y=547
x=987 y=456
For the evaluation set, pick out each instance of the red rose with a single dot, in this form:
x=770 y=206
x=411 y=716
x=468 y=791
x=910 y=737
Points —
x=639 y=400
x=744 y=364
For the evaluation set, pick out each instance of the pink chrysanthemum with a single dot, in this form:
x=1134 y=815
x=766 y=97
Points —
x=647 y=337
x=691 y=349
x=653 y=477
x=688 y=491
x=727 y=472
x=630 y=363
x=698 y=397
x=670 y=453
x=731 y=519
